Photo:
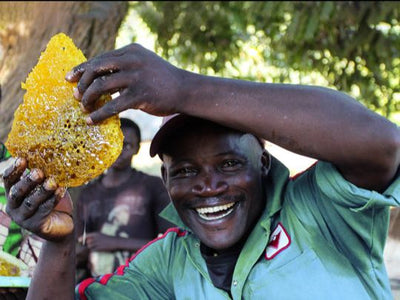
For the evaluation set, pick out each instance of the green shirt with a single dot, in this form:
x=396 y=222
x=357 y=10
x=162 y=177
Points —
x=320 y=237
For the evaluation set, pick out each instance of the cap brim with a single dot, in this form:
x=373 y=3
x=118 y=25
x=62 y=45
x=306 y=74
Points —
x=170 y=124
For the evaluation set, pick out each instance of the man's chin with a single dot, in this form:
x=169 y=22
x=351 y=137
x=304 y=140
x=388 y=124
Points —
x=219 y=234
x=221 y=241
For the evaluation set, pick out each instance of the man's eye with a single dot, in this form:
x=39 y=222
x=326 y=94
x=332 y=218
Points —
x=231 y=164
x=184 y=172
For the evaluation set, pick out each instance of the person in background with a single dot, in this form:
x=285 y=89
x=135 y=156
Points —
x=117 y=213
x=246 y=230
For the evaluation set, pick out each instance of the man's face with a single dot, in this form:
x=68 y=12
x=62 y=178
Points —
x=214 y=179
x=129 y=149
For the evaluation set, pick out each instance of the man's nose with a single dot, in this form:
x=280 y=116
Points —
x=209 y=184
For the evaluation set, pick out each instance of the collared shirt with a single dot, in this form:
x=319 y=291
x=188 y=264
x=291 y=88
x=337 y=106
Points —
x=320 y=237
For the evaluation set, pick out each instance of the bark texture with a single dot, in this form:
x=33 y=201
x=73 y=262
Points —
x=26 y=28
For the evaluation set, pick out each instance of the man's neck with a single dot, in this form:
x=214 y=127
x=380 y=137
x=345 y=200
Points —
x=233 y=249
x=116 y=177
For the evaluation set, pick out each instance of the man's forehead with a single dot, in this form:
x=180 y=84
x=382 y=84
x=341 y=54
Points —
x=202 y=130
x=199 y=133
x=251 y=140
x=178 y=127
x=212 y=143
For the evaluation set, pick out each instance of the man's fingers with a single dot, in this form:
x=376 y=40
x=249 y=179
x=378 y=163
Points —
x=24 y=187
x=14 y=172
x=89 y=71
x=75 y=74
x=110 y=109
x=40 y=195
x=106 y=84
x=102 y=65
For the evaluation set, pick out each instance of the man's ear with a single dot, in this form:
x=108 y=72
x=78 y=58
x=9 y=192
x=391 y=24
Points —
x=136 y=149
x=266 y=163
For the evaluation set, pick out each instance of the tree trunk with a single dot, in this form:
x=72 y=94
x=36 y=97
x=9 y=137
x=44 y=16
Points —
x=26 y=28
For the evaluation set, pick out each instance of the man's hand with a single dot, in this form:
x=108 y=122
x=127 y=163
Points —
x=96 y=241
x=37 y=204
x=144 y=81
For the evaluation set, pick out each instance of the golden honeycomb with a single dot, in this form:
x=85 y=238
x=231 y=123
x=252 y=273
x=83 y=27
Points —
x=49 y=127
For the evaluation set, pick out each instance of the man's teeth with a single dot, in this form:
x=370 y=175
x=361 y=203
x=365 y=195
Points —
x=226 y=209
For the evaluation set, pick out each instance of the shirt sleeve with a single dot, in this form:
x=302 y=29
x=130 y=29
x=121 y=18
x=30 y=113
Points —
x=145 y=275
x=120 y=287
x=351 y=219
x=331 y=183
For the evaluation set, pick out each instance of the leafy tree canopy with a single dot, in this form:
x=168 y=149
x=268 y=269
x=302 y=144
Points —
x=347 y=45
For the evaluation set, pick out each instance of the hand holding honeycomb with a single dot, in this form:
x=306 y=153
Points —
x=49 y=127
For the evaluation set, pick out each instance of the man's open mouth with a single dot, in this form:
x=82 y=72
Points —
x=212 y=213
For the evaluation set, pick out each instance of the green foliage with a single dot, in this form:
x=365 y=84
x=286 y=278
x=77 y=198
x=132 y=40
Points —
x=354 y=46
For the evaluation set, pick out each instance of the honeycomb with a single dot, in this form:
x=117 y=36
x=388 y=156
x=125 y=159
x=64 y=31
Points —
x=10 y=265
x=49 y=127
x=7 y=269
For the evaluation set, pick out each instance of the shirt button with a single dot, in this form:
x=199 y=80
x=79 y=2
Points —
x=197 y=245
x=235 y=283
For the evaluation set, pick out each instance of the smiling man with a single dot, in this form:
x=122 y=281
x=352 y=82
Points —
x=216 y=187
x=245 y=229
x=214 y=174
